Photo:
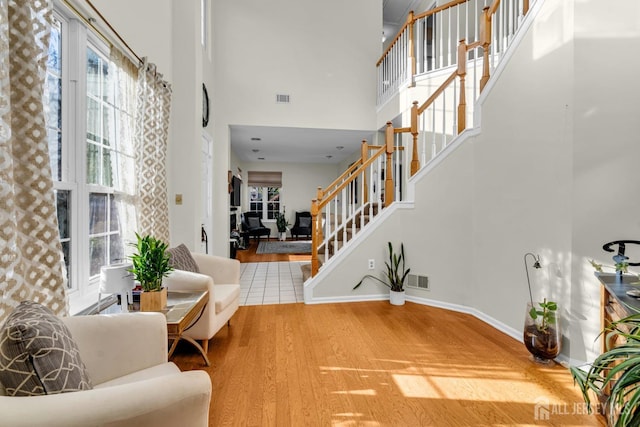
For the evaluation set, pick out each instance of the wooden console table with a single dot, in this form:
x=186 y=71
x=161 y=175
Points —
x=615 y=304
x=183 y=310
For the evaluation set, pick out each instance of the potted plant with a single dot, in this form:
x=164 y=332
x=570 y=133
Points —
x=150 y=266
x=396 y=274
x=282 y=224
x=542 y=332
x=613 y=377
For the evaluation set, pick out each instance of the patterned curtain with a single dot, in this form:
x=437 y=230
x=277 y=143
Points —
x=125 y=77
x=31 y=258
x=152 y=131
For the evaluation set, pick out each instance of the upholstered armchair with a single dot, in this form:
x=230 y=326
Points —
x=125 y=356
x=302 y=226
x=252 y=224
x=221 y=277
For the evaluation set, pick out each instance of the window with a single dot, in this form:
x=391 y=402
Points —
x=265 y=193
x=265 y=200
x=59 y=172
x=103 y=150
x=88 y=155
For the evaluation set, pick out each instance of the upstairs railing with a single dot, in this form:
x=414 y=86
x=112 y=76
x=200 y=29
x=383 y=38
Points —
x=343 y=208
x=427 y=41
x=446 y=113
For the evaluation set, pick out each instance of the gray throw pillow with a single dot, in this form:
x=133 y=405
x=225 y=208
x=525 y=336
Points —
x=38 y=354
x=253 y=222
x=305 y=222
x=180 y=258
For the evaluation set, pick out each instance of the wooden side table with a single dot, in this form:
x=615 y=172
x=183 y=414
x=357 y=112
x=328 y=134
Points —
x=184 y=308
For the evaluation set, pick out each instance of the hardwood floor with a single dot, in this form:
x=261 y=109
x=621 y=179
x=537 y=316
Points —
x=249 y=255
x=372 y=364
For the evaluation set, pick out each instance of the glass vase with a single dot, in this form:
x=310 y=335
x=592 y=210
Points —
x=542 y=335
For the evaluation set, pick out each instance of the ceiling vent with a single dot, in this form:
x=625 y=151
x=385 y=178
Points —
x=419 y=282
x=282 y=99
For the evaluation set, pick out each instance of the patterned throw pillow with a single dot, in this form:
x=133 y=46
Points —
x=180 y=258
x=38 y=354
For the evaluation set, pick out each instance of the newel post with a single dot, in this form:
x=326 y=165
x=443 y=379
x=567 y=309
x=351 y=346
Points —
x=462 y=72
x=485 y=39
x=388 y=175
x=316 y=229
x=411 y=49
x=364 y=155
x=415 y=163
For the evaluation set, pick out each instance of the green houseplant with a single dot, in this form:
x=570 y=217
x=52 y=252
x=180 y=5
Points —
x=614 y=377
x=281 y=222
x=542 y=335
x=150 y=262
x=150 y=266
x=395 y=275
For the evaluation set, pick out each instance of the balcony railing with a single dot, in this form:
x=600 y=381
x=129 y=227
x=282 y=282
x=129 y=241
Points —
x=428 y=41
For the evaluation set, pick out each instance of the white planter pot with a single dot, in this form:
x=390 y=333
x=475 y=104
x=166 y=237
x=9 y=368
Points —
x=282 y=236
x=396 y=298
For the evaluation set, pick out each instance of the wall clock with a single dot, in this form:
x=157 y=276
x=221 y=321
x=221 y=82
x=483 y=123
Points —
x=205 y=106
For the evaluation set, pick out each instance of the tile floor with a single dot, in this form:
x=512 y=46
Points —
x=270 y=283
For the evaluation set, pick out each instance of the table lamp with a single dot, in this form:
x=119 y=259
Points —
x=116 y=279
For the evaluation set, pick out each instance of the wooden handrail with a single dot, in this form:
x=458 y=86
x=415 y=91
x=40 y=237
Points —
x=437 y=93
x=344 y=174
x=411 y=19
x=321 y=193
x=494 y=7
x=395 y=39
x=439 y=9
x=322 y=203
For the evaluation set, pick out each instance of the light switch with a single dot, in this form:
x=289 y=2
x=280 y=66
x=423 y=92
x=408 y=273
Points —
x=178 y=199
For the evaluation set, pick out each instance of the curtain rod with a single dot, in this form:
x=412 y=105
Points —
x=91 y=23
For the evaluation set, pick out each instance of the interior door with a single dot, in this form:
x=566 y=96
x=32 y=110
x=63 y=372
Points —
x=207 y=190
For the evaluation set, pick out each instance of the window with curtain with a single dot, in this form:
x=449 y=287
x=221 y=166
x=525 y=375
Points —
x=88 y=170
x=53 y=103
x=265 y=188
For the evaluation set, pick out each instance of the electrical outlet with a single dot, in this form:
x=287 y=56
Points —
x=372 y=264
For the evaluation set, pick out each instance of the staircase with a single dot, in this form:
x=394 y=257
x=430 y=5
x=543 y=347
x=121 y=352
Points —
x=422 y=49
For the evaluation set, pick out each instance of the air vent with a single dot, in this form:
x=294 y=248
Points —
x=282 y=99
x=418 y=282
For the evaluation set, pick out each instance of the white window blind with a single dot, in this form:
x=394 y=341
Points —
x=264 y=179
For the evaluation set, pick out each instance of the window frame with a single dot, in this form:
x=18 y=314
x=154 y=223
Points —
x=76 y=39
x=264 y=191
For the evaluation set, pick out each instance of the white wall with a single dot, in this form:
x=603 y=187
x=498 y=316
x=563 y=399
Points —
x=552 y=172
x=310 y=50
x=185 y=149
x=144 y=24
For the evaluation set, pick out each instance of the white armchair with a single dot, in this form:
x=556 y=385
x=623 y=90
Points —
x=134 y=384
x=221 y=277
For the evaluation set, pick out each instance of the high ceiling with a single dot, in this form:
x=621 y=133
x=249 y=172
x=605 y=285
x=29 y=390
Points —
x=295 y=145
